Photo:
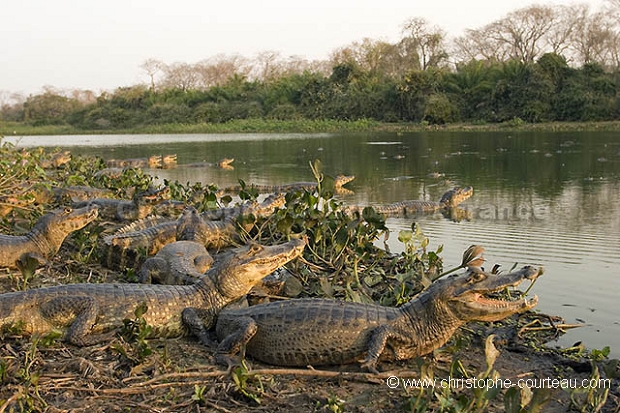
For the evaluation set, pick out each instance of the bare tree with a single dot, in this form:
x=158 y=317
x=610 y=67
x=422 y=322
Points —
x=217 y=70
x=267 y=65
x=82 y=96
x=424 y=43
x=594 y=39
x=478 y=44
x=180 y=75
x=152 y=67
x=558 y=37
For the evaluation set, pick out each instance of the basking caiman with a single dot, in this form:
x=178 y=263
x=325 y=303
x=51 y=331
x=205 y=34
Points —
x=321 y=331
x=66 y=195
x=56 y=160
x=180 y=262
x=450 y=199
x=46 y=236
x=339 y=181
x=140 y=206
x=126 y=247
x=87 y=313
x=258 y=209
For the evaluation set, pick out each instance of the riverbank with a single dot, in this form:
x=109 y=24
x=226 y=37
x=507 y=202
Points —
x=305 y=126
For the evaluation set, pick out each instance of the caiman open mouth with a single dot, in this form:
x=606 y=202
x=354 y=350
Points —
x=493 y=300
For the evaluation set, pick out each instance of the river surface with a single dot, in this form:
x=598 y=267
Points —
x=549 y=199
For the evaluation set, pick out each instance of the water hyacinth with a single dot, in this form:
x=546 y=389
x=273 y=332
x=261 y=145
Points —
x=472 y=258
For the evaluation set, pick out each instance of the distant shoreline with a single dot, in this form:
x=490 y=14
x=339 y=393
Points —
x=309 y=126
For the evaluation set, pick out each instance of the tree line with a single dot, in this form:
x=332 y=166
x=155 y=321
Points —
x=539 y=63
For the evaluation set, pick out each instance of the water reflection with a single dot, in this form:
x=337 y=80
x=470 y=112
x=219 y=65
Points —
x=540 y=198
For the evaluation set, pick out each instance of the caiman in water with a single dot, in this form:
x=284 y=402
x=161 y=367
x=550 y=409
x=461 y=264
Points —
x=449 y=200
x=46 y=236
x=316 y=331
x=339 y=181
x=154 y=161
x=87 y=313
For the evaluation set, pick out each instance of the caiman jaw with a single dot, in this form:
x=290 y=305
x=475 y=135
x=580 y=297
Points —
x=486 y=302
x=242 y=277
x=474 y=300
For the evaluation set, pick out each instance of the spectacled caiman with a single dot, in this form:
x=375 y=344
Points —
x=75 y=193
x=258 y=209
x=153 y=233
x=450 y=199
x=46 y=236
x=155 y=161
x=224 y=163
x=316 y=331
x=180 y=262
x=140 y=206
x=88 y=313
x=339 y=181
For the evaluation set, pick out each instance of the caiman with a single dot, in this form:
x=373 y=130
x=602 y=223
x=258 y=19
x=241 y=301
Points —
x=46 y=236
x=140 y=206
x=56 y=160
x=85 y=314
x=180 y=262
x=224 y=163
x=318 y=331
x=154 y=161
x=258 y=209
x=127 y=247
x=339 y=181
x=75 y=193
x=155 y=232
x=450 y=199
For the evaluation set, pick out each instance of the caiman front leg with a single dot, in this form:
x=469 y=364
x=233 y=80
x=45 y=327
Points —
x=243 y=329
x=376 y=344
x=199 y=321
x=79 y=313
x=151 y=271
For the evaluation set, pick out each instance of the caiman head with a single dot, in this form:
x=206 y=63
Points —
x=455 y=196
x=153 y=196
x=154 y=161
x=191 y=226
x=472 y=296
x=246 y=266
x=341 y=180
x=61 y=158
x=225 y=163
x=56 y=225
x=169 y=161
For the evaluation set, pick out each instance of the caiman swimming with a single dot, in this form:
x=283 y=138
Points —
x=88 y=313
x=339 y=181
x=154 y=161
x=316 y=331
x=46 y=236
x=449 y=200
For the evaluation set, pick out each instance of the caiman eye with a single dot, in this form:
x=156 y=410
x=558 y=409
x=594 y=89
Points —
x=476 y=276
x=255 y=248
x=67 y=210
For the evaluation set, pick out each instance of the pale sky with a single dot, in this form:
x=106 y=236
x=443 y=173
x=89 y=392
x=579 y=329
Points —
x=100 y=45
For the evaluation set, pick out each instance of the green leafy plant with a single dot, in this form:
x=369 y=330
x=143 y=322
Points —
x=242 y=381
x=135 y=331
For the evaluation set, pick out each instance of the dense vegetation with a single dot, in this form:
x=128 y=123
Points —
x=476 y=92
x=537 y=64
